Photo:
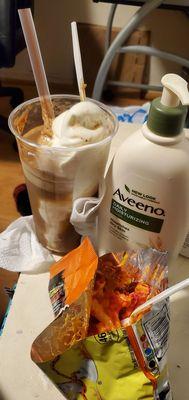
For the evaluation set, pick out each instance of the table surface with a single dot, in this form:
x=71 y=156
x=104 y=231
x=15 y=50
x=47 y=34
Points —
x=31 y=312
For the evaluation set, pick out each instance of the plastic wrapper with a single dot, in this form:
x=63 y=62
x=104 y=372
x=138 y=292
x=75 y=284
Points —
x=97 y=347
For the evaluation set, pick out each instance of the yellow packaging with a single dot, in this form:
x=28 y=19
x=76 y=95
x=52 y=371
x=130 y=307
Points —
x=123 y=363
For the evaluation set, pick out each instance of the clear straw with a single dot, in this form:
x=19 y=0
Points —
x=78 y=61
x=37 y=65
x=156 y=299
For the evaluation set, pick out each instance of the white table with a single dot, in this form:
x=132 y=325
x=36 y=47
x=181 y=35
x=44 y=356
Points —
x=31 y=312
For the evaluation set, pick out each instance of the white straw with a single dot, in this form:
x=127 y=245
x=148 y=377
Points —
x=78 y=61
x=36 y=61
x=159 y=297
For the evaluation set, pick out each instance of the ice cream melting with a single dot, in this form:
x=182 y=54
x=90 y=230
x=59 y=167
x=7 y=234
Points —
x=82 y=124
x=65 y=168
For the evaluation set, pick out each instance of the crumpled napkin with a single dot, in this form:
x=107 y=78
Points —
x=84 y=217
x=20 y=250
x=84 y=214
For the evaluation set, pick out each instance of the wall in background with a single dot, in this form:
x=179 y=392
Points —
x=170 y=30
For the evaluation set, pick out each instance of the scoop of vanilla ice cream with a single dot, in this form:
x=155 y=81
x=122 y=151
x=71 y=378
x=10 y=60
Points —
x=82 y=124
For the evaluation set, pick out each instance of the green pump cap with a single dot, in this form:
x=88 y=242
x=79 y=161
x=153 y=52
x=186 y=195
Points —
x=167 y=116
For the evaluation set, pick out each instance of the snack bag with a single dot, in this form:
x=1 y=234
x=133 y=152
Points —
x=98 y=347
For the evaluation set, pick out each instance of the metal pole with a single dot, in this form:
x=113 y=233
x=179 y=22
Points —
x=152 y=51
x=120 y=38
x=109 y=27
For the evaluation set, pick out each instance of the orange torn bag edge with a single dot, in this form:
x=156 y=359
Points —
x=139 y=356
x=76 y=275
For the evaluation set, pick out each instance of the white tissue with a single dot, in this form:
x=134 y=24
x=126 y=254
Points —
x=20 y=250
x=84 y=214
x=84 y=217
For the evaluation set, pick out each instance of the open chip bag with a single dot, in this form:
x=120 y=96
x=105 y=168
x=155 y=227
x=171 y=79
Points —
x=98 y=346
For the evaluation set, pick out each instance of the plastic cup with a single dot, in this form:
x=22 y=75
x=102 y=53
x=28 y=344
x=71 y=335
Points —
x=55 y=177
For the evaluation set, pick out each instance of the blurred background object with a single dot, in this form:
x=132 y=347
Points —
x=168 y=30
x=117 y=45
x=11 y=43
